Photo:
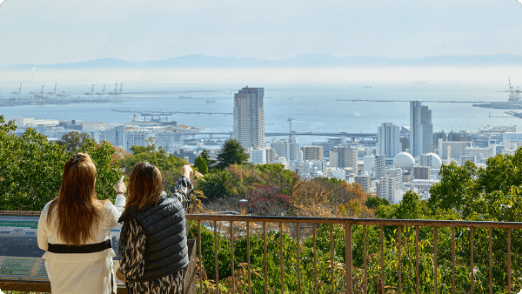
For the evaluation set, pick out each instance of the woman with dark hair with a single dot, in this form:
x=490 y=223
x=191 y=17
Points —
x=153 y=242
x=74 y=230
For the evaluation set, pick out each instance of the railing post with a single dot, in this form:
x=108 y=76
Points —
x=348 y=249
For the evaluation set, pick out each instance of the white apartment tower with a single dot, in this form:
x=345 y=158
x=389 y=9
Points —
x=390 y=185
x=249 y=117
x=421 y=129
x=388 y=143
x=380 y=164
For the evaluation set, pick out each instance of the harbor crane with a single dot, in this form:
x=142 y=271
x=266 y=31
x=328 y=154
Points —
x=92 y=92
x=54 y=92
x=102 y=93
x=19 y=93
x=121 y=85
x=514 y=95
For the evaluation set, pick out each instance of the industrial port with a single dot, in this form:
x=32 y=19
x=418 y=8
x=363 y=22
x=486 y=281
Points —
x=18 y=98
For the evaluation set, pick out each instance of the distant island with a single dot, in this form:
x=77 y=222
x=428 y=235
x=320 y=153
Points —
x=307 y=60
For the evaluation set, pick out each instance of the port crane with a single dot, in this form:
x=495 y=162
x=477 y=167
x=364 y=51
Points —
x=54 y=92
x=19 y=93
x=91 y=94
x=102 y=93
x=514 y=95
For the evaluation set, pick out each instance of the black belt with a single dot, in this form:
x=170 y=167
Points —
x=90 y=248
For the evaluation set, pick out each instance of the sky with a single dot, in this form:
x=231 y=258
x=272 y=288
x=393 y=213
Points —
x=58 y=31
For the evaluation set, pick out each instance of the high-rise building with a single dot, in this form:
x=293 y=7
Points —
x=380 y=164
x=388 y=140
x=312 y=152
x=287 y=148
x=345 y=156
x=421 y=129
x=249 y=117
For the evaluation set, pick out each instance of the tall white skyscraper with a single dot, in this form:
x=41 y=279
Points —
x=421 y=129
x=390 y=185
x=249 y=117
x=388 y=143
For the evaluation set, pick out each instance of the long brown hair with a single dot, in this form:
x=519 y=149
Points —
x=78 y=211
x=145 y=185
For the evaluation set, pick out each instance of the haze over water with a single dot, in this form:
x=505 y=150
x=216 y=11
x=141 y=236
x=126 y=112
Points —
x=305 y=94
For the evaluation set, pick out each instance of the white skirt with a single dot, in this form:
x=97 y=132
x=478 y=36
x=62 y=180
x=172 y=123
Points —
x=81 y=277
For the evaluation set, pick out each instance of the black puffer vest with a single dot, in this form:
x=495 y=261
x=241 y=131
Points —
x=166 y=250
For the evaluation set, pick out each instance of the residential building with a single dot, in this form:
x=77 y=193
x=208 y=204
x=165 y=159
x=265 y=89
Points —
x=249 y=117
x=390 y=185
x=364 y=181
x=388 y=140
x=312 y=152
x=421 y=129
x=345 y=156
x=421 y=172
x=380 y=164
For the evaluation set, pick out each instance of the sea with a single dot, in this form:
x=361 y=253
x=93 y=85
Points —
x=313 y=107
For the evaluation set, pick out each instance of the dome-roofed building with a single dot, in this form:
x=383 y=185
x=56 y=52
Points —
x=404 y=161
x=430 y=159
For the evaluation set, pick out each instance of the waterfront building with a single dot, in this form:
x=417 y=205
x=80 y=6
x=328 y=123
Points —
x=404 y=161
x=388 y=140
x=249 y=117
x=421 y=129
x=312 y=152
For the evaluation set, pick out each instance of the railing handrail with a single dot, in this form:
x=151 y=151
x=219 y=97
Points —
x=330 y=220
x=357 y=221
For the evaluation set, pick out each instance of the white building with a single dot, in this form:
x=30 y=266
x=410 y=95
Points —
x=287 y=148
x=380 y=164
x=345 y=156
x=390 y=185
x=388 y=140
x=257 y=156
x=369 y=164
x=421 y=129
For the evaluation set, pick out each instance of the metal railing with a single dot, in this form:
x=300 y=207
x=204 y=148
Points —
x=348 y=224
x=262 y=225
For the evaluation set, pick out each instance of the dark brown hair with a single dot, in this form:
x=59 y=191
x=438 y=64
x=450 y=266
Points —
x=78 y=211
x=145 y=185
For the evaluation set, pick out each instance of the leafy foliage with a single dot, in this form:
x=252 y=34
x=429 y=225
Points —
x=201 y=164
x=169 y=165
x=31 y=168
x=231 y=153
x=73 y=141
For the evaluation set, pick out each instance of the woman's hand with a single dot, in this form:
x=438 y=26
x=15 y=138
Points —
x=120 y=187
x=186 y=171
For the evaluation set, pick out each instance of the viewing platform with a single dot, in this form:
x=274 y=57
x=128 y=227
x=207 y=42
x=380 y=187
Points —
x=469 y=240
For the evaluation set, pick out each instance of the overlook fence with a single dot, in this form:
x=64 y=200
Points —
x=243 y=228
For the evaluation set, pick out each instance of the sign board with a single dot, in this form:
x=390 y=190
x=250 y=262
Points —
x=20 y=257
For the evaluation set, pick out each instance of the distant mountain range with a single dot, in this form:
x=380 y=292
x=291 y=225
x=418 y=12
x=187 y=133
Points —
x=307 y=60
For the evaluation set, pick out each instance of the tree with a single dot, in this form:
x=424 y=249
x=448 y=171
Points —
x=73 y=140
x=169 y=165
x=231 y=153
x=201 y=164
x=31 y=168
x=374 y=202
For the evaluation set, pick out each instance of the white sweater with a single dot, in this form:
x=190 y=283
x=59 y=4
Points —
x=78 y=273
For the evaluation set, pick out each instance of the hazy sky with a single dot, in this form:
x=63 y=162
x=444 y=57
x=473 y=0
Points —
x=67 y=31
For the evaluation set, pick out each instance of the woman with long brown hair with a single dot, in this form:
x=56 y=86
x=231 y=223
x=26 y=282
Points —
x=153 y=242
x=74 y=230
